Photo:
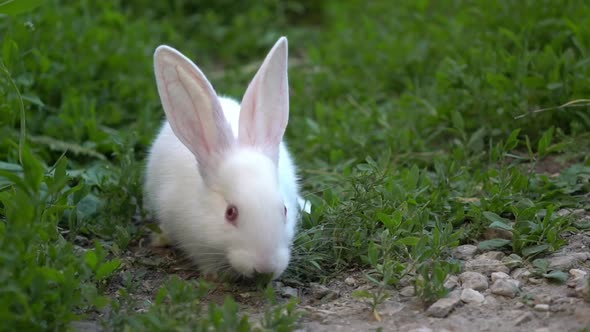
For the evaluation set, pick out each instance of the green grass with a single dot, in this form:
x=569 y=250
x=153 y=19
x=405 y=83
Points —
x=404 y=122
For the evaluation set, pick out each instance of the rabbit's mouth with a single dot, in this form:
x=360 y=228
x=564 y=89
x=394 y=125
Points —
x=254 y=279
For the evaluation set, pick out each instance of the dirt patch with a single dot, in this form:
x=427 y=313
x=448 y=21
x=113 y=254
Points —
x=552 y=164
x=538 y=306
x=535 y=305
x=496 y=313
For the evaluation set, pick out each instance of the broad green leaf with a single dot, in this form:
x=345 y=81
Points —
x=63 y=146
x=544 y=142
x=533 y=250
x=409 y=240
x=556 y=275
x=457 y=121
x=101 y=301
x=491 y=216
x=501 y=225
x=34 y=170
x=91 y=259
x=391 y=222
x=15 y=7
x=12 y=167
x=493 y=244
x=52 y=274
x=512 y=140
x=8 y=178
x=106 y=269
x=60 y=169
x=541 y=264
x=373 y=254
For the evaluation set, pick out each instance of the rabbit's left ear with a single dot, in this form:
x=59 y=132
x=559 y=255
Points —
x=265 y=106
x=192 y=109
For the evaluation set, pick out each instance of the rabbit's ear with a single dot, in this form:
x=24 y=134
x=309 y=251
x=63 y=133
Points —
x=265 y=106
x=192 y=107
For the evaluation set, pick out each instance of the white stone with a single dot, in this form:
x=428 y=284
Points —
x=568 y=261
x=542 y=307
x=505 y=287
x=421 y=329
x=407 y=291
x=494 y=255
x=577 y=273
x=469 y=295
x=443 y=307
x=521 y=273
x=474 y=280
x=350 y=281
x=465 y=252
x=486 y=266
x=452 y=282
x=499 y=275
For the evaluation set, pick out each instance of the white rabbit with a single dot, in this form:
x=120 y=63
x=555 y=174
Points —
x=219 y=178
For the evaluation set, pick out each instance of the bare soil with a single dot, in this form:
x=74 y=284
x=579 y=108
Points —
x=331 y=307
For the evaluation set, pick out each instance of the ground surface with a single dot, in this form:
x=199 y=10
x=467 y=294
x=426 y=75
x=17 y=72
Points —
x=566 y=311
x=537 y=305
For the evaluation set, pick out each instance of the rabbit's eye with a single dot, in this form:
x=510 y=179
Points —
x=285 y=210
x=231 y=214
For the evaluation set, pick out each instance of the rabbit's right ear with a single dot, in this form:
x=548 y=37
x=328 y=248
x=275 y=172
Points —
x=192 y=108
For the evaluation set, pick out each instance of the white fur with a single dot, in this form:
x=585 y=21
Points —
x=190 y=200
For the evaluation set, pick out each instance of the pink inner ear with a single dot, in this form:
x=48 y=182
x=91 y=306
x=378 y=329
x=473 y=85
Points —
x=187 y=136
x=192 y=107
x=265 y=106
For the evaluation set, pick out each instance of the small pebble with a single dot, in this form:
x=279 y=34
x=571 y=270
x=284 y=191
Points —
x=486 y=266
x=519 y=305
x=350 y=281
x=465 y=252
x=535 y=281
x=407 y=291
x=318 y=290
x=406 y=281
x=577 y=273
x=542 y=329
x=580 y=285
x=246 y=295
x=452 y=282
x=499 y=275
x=474 y=280
x=542 y=307
x=568 y=261
x=571 y=212
x=443 y=307
x=505 y=287
x=288 y=291
x=469 y=295
x=521 y=273
x=512 y=261
x=421 y=329
x=495 y=255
